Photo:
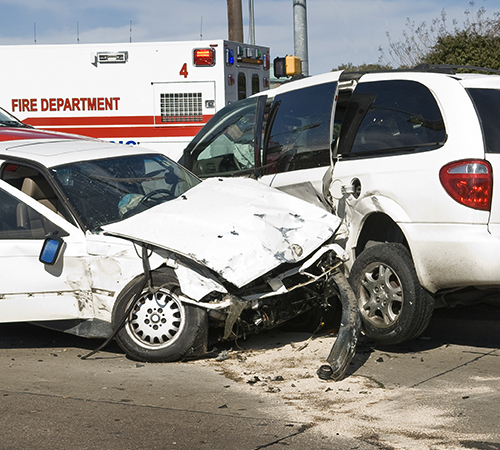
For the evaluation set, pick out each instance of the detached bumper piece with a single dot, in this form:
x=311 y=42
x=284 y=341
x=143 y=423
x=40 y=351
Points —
x=344 y=348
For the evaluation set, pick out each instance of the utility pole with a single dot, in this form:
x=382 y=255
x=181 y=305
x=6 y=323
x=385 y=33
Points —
x=235 y=20
x=252 y=22
x=300 y=33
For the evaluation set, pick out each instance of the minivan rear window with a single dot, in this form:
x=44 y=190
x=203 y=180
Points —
x=487 y=102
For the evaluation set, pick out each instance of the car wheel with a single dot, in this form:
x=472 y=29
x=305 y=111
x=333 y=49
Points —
x=394 y=307
x=159 y=327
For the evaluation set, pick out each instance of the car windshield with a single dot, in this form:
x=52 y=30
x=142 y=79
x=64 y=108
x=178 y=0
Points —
x=109 y=190
x=7 y=120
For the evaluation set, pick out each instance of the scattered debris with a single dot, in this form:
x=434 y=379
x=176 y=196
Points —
x=253 y=380
x=222 y=356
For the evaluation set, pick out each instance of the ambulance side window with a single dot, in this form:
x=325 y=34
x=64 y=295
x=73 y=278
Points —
x=255 y=83
x=242 y=86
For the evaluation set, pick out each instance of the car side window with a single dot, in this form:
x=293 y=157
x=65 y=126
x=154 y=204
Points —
x=34 y=184
x=391 y=116
x=20 y=221
x=298 y=134
x=227 y=147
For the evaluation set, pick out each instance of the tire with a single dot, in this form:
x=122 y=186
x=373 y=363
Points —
x=160 y=328
x=393 y=305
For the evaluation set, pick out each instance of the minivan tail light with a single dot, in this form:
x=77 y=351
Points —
x=469 y=182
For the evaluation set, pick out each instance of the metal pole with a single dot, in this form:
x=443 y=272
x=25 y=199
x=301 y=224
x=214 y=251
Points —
x=300 y=33
x=235 y=20
x=252 y=22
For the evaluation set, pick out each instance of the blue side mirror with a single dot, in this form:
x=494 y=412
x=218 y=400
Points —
x=50 y=250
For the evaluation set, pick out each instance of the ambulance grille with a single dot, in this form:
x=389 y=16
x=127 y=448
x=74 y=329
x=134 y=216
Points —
x=185 y=107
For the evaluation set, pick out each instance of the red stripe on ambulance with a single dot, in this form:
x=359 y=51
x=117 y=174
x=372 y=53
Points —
x=125 y=127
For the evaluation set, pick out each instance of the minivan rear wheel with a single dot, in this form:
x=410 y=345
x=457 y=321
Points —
x=394 y=307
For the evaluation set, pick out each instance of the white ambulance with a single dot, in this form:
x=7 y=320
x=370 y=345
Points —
x=157 y=94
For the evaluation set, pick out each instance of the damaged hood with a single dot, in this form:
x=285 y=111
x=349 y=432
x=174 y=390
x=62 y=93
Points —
x=239 y=228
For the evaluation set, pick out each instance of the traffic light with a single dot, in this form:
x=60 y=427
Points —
x=287 y=66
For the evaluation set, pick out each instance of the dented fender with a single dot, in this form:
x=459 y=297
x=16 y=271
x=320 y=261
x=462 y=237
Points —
x=195 y=281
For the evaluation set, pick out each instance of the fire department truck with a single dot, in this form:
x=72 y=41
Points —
x=156 y=94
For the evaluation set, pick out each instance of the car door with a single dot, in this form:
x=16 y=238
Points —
x=298 y=137
x=388 y=129
x=282 y=141
x=29 y=289
x=229 y=145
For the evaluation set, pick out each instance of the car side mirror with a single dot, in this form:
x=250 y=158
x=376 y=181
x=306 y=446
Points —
x=50 y=250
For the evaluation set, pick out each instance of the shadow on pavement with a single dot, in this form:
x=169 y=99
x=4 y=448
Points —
x=26 y=335
x=476 y=326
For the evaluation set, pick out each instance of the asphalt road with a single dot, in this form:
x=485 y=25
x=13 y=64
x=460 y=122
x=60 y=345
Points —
x=52 y=399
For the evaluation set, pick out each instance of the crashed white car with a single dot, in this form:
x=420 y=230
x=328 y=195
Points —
x=98 y=238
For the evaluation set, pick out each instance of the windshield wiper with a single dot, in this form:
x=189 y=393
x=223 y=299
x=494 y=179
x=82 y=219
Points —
x=13 y=124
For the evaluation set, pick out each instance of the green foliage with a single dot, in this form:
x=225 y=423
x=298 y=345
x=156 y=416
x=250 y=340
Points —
x=476 y=42
x=467 y=49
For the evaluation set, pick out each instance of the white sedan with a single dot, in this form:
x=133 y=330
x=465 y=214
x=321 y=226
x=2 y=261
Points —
x=103 y=240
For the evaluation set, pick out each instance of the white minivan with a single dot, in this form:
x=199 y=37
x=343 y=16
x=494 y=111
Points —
x=405 y=157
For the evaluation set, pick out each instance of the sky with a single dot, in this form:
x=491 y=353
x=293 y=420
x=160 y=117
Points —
x=339 y=31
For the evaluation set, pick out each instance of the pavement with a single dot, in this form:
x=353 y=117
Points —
x=439 y=392
x=52 y=399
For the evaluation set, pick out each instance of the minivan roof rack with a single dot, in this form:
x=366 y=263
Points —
x=433 y=68
x=451 y=67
